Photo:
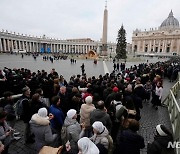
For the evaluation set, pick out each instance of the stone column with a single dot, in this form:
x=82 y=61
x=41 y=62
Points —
x=37 y=47
x=159 y=45
x=12 y=45
x=150 y=46
x=171 y=47
x=165 y=46
x=23 y=45
x=105 y=28
x=86 y=49
x=154 y=45
x=51 y=46
x=143 y=46
x=4 y=40
x=33 y=49
x=16 y=46
x=8 y=46
x=1 y=47
x=54 y=48
x=178 y=47
x=30 y=45
x=19 y=45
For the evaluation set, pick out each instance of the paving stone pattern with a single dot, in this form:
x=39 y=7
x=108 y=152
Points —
x=150 y=118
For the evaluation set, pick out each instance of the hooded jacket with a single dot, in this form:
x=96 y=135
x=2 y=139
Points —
x=73 y=131
x=85 y=111
x=42 y=131
x=101 y=138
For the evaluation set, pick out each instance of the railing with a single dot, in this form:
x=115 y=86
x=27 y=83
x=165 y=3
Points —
x=14 y=96
x=174 y=111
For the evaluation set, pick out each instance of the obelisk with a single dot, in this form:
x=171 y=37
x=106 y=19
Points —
x=104 y=36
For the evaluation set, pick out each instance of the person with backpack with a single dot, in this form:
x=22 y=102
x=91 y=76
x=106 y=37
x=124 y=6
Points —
x=115 y=105
x=70 y=131
x=101 y=138
x=162 y=137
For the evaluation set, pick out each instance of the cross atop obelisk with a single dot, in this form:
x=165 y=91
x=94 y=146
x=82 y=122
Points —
x=104 y=36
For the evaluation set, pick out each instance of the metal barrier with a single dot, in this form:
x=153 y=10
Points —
x=14 y=96
x=174 y=111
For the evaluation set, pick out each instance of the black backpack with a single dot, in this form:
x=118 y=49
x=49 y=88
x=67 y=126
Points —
x=19 y=107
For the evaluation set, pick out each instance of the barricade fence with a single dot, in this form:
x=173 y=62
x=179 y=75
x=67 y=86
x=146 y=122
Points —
x=174 y=111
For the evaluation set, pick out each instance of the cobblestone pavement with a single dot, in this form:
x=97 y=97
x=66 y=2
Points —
x=150 y=118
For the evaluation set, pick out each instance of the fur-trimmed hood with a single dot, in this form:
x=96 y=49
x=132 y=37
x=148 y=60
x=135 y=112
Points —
x=138 y=85
x=38 y=120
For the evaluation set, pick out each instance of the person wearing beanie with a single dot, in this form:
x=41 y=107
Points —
x=40 y=126
x=111 y=97
x=73 y=130
x=162 y=137
x=115 y=89
x=85 y=111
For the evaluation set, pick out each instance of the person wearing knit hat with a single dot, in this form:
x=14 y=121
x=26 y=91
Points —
x=71 y=113
x=85 y=111
x=88 y=99
x=160 y=131
x=73 y=130
x=115 y=89
x=160 y=144
x=41 y=129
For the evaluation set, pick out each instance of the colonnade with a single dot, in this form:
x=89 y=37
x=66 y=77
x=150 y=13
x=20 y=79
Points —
x=8 y=45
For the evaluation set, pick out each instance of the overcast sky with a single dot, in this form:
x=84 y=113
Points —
x=66 y=19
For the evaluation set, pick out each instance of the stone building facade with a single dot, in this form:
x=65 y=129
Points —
x=164 y=40
x=10 y=42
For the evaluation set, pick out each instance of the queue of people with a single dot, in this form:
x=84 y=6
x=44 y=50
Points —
x=86 y=115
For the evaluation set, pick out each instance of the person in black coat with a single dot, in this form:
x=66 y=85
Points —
x=128 y=141
x=162 y=138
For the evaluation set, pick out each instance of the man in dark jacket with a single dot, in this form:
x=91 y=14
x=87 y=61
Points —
x=99 y=114
x=26 y=114
x=161 y=140
x=128 y=141
x=64 y=100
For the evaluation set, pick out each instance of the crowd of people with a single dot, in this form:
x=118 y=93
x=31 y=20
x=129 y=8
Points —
x=87 y=115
